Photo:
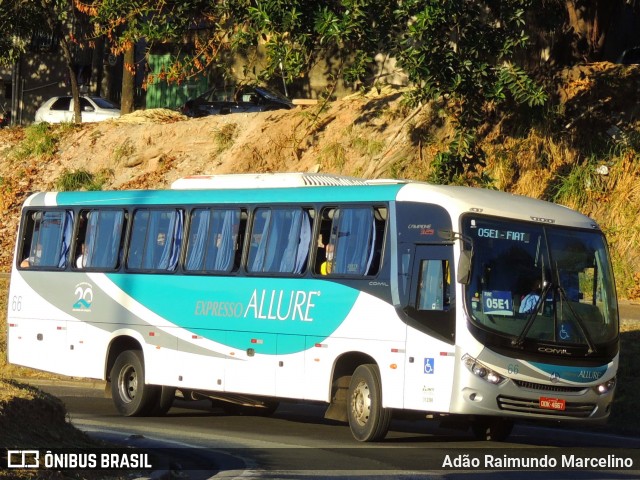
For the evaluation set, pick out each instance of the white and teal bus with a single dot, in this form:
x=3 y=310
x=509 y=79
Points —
x=369 y=296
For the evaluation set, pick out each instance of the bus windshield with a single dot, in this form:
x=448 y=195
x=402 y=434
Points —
x=541 y=284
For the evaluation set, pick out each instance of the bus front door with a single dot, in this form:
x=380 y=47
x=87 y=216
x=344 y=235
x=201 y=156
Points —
x=430 y=351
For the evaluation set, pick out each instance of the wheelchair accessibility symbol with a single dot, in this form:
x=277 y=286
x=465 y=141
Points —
x=564 y=332
x=428 y=365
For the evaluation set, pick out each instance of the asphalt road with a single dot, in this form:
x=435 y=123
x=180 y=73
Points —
x=297 y=442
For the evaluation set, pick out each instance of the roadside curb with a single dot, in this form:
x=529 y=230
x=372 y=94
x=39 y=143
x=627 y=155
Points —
x=71 y=382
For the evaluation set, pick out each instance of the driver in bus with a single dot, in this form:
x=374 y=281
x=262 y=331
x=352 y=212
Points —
x=530 y=301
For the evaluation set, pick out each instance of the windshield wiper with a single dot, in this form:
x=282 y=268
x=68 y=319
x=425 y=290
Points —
x=579 y=321
x=519 y=340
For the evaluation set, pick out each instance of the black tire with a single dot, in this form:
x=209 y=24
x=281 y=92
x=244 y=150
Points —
x=369 y=422
x=131 y=396
x=164 y=402
x=495 y=429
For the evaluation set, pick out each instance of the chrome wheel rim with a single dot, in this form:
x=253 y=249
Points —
x=361 y=403
x=128 y=383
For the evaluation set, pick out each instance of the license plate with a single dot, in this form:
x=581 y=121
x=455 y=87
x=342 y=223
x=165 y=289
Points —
x=552 y=403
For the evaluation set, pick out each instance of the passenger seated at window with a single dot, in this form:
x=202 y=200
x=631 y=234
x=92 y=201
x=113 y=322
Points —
x=326 y=266
x=32 y=259
x=80 y=257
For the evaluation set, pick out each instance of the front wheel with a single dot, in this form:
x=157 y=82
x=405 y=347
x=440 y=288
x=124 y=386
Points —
x=369 y=422
x=131 y=396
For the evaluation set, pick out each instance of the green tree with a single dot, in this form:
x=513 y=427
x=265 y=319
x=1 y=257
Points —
x=24 y=18
x=463 y=54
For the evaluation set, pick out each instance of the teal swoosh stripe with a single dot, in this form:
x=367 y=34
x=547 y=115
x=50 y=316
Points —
x=573 y=374
x=213 y=306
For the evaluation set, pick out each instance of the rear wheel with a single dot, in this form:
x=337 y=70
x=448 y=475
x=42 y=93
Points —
x=492 y=428
x=131 y=396
x=368 y=421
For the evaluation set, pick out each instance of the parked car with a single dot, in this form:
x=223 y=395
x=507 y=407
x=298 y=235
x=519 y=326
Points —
x=60 y=109
x=246 y=99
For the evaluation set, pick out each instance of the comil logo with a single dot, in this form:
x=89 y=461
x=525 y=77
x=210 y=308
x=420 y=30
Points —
x=23 y=459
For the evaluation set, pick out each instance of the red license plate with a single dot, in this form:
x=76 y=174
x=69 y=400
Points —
x=552 y=403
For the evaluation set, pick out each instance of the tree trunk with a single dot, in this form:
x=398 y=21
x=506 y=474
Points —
x=128 y=80
x=589 y=22
x=56 y=25
x=75 y=91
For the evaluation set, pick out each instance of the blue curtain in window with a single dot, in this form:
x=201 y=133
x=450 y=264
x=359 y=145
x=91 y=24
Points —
x=260 y=239
x=213 y=242
x=352 y=237
x=65 y=244
x=90 y=240
x=304 y=243
x=276 y=240
x=297 y=241
x=172 y=243
x=46 y=251
x=153 y=241
x=226 y=246
x=164 y=238
x=198 y=241
x=290 y=240
x=116 y=235
x=48 y=248
x=138 y=242
x=102 y=240
x=282 y=241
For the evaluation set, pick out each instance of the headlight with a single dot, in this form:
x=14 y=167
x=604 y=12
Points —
x=606 y=387
x=479 y=370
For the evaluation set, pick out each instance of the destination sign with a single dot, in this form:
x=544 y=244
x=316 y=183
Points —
x=511 y=235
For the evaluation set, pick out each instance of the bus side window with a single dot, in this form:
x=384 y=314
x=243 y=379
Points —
x=99 y=239
x=213 y=240
x=47 y=238
x=434 y=285
x=355 y=241
x=156 y=239
x=280 y=240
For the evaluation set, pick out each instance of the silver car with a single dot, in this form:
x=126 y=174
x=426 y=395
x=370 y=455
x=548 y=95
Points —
x=60 y=109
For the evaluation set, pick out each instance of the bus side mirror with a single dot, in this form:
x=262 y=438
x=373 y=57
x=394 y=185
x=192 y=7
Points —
x=464 y=267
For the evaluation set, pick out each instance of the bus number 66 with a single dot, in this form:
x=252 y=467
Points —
x=16 y=303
